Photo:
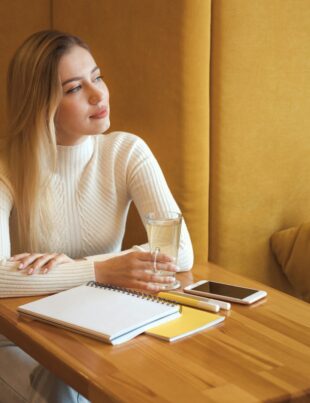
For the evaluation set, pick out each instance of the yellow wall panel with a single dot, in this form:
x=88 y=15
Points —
x=18 y=20
x=260 y=144
x=155 y=60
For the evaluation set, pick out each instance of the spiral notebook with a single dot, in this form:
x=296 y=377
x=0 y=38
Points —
x=107 y=313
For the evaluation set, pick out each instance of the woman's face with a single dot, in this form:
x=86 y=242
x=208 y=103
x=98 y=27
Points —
x=84 y=108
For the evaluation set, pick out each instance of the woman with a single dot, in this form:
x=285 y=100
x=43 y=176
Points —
x=65 y=191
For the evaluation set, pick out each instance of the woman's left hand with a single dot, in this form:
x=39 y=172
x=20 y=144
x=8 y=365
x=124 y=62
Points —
x=42 y=262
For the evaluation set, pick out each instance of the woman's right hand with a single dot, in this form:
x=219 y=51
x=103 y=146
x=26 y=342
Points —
x=39 y=262
x=136 y=270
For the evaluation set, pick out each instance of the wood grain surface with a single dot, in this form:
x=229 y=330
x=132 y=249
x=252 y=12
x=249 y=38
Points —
x=259 y=353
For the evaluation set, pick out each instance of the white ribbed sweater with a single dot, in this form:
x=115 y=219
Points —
x=93 y=188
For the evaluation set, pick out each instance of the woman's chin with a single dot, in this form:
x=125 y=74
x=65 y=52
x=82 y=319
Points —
x=103 y=125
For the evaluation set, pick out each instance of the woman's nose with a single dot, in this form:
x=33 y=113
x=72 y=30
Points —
x=96 y=96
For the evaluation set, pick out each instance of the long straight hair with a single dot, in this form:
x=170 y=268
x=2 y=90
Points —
x=33 y=94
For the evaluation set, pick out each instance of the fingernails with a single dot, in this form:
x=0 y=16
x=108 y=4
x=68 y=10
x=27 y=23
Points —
x=45 y=270
x=30 y=271
x=21 y=266
x=171 y=279
x=152 y=287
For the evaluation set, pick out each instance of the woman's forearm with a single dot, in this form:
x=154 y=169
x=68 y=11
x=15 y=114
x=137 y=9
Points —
x=16 y=283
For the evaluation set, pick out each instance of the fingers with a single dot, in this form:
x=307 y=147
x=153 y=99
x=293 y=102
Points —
x=141 y=285
x=157 y=278
x=19 y=256
x=148 y=256
x=42 y=262
x=147 y=279
x=56 y=260
x=27 y=260
x=143 y=276
x=170 y=267
x=39 y=261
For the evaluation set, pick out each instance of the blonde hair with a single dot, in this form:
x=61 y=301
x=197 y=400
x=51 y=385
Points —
x=33 y=95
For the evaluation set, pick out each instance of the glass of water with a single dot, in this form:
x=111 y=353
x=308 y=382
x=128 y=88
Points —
x=163 y=232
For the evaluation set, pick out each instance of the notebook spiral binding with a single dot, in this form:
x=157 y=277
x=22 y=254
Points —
x=134 y=293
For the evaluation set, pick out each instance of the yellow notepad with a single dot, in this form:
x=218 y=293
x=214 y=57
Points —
x=191 y=321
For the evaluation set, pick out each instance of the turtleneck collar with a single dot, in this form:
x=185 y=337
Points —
x=75 y=158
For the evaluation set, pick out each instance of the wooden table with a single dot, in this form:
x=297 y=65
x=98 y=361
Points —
x=259 y=353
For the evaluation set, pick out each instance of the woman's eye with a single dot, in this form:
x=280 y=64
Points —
x=99 y=78
x=74 y=89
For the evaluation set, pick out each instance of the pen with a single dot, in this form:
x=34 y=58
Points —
x=184 y=299
x=223 y=305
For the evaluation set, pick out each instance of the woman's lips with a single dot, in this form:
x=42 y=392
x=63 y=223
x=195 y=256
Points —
x=101 y=114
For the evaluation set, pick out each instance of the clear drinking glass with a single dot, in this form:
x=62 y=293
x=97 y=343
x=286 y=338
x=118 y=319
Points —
x=163 y=232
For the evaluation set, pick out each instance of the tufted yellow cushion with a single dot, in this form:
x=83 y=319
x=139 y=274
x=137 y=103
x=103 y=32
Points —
x=291 y=248
x=259 y=131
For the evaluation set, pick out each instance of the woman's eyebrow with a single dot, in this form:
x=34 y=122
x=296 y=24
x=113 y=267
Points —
x=78 y=78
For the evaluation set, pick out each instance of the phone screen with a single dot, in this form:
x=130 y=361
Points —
x=225 y=290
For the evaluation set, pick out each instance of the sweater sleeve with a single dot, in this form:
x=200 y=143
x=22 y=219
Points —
x=150 y=192
x=16 y=283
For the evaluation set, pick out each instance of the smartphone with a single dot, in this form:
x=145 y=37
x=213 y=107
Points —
x=227 y=292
